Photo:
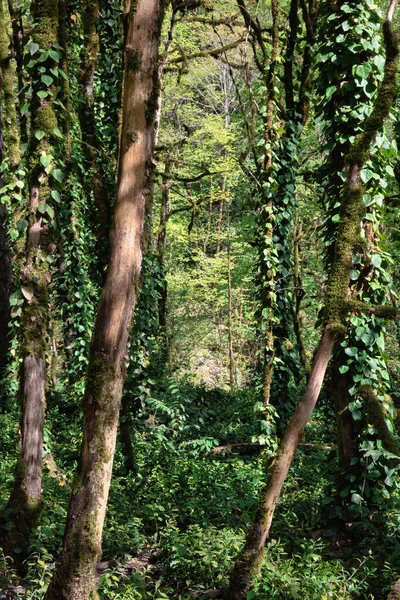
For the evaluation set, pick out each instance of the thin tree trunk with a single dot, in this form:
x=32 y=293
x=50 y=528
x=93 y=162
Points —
x=86 y=115
x=26 y=497
x=232 y=364
x=125 y=434
x=74 y=577
x=267 y=219
x=161 y=241
x=7 y=114
x=299 y=294
x=15 y=10
x=346 y=435
x=337 y=306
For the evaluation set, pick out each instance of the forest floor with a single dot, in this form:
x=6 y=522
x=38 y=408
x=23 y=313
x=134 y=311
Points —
x=175 y=524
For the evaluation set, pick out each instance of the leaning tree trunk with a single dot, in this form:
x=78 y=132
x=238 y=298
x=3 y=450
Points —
x=337 y=306
x=75 y=575
x=26 y=497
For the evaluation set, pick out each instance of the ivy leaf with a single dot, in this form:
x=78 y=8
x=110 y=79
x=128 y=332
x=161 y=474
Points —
x=330 y=91
x=56 y=195
x=58 y=175
x=47 y=79
x=58 y=133
x=376 y=260
x=42 y=94
x=54 y=55
x=356 y=498
x=45 y=159
x=351 y=351
x=50 y=211
x=39 y=134
x=389 y=170
x=42 y=208
x=22 y=225
x=33 y=48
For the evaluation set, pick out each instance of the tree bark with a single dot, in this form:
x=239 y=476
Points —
x=7 y=113
x=249 y=561
x=74 y=577
x=26 y=497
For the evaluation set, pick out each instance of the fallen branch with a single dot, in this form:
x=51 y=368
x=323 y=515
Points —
x=254 y=448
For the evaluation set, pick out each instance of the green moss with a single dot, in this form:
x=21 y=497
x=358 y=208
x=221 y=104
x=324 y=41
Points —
x=132 y=138
x=45 y=15
x=376 y=417
x=133 y=60
x=353 y=208
x=11 y=134
x=390 y=313
x=33 y=323
x=99 y=374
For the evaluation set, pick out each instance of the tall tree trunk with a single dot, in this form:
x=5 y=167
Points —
x=337 y=306
x=232 y=363
x=74 y=577
x=7 y=115
x=86 y=115
x=26 y=497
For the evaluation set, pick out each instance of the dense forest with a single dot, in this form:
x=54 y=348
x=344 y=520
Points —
x=199 y=332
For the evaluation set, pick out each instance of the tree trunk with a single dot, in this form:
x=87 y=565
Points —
x=125 y=434
x=7 y=113
x=86 y=115
x=232 y=362
x=346 y=435
x=337 y=307
x=248 y=563
x=26 y=497
x=74 y=577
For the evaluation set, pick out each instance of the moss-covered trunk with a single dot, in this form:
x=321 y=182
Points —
x=74 y=577
x=7 y=112
x=86 y=113
x=337 y=306
x=26 y=497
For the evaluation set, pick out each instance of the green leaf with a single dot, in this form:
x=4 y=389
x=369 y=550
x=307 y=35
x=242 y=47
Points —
x=50 y=211
x=376 y=260
x=47 y=79
x=58 y=133
x=351 y=351
x=45 y=159
x=389 y=170
x=22 y=225
x=39 y=134
x=58 y=175
x=356 y=498
x=56 y=195
x=330 y=91
x=33 y=48
x=54 y=55
x=343 y=369
x=42 y=208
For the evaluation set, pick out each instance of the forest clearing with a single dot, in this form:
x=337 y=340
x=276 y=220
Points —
x=199 y=312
